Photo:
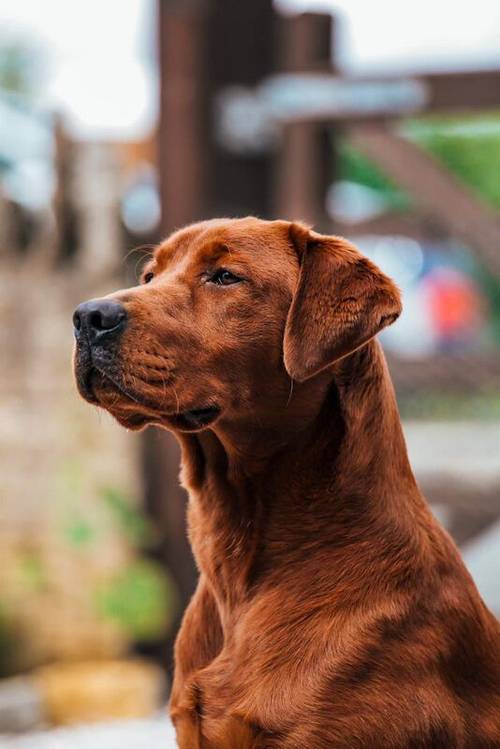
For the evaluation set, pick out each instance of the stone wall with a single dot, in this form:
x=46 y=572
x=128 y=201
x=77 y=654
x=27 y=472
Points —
x=59 y=457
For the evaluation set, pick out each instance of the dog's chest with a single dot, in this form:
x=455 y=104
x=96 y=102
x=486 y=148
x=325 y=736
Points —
x=229 y=716
x=229 y=732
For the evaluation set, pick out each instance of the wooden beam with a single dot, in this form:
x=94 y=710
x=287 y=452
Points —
x=462 y=91
x=462 y=496
x=458 y=373
x=411 y=224
x=369 y=98
x=434 y=189
x=466 y=525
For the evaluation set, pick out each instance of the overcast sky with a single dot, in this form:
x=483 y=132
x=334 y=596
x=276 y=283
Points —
x=414 y=34
x=100 y=51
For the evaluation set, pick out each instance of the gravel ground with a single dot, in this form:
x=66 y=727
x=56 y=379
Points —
x=467 y=451
x=482 y=557
x=130 y=734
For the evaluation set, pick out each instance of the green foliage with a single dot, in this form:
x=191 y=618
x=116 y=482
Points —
x=139 y=599
x=31 y=572
x=356 y=168
x=81 y=529
x=469 y=148
x=491 y=286
x=128 y=519
x=450 y=406
x=79 y=532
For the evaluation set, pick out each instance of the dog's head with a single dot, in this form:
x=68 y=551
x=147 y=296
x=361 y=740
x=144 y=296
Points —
x=226 y=313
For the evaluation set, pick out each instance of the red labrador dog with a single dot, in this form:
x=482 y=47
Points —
x=332 y=610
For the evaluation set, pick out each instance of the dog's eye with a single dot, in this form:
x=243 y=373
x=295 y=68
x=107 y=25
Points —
x=148 y=277
x=223 y=277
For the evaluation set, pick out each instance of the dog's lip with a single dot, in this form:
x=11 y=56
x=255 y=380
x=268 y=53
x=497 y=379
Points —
x=188 y=420
x=84 y=380
x=89 y=393
x=109 y=377
x=196 y=418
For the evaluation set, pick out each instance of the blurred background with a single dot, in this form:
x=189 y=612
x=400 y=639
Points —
x=120 y=121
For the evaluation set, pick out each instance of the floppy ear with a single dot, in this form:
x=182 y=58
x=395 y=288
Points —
x=342 y=300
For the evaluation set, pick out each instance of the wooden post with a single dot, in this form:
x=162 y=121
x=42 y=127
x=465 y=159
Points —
x=305 y=162
x=182 y=143
x=203 y=46
x=181 y=162
x=8 y=243
x=240 y=52
x=66 y=242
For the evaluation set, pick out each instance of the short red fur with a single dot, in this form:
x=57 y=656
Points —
x=332 y=610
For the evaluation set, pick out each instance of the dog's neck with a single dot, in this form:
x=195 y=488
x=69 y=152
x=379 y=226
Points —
x=373 y=447
x=349 y=411
x=346 y=459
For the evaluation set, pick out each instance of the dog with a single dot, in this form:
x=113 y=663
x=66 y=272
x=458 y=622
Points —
x=332 y=610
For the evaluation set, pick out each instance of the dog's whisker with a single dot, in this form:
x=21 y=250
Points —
x=178 y=407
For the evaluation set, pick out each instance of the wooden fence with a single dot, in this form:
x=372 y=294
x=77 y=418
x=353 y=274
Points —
x=207 y=57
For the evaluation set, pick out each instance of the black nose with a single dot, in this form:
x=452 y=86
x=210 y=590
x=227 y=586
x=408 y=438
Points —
x=99 y=318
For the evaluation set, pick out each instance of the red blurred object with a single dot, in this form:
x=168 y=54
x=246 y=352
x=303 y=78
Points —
x=455 y=303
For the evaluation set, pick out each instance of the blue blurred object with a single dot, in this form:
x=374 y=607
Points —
x=444 y=308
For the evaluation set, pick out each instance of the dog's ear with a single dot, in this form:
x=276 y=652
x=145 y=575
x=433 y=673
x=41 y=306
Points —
x=342 y=300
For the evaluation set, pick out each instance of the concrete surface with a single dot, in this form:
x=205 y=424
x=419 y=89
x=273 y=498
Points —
x=133 y=734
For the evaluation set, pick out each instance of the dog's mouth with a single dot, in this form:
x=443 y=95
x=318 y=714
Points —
x=102 y=388
x=194 y=419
